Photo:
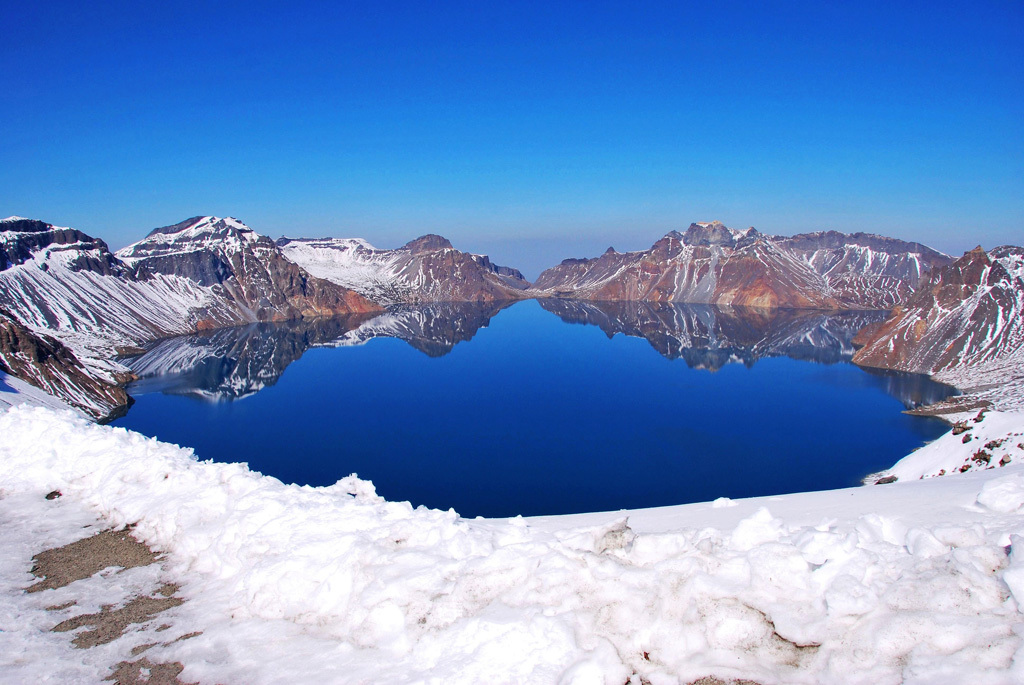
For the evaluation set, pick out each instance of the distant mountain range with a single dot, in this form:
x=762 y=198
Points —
x=713 y=264
x=427 y=269
x=69 y=307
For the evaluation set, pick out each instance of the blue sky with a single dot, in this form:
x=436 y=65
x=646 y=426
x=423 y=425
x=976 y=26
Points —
x=532 y=131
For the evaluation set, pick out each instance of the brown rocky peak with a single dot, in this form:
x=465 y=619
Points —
x=968 y=270
x=709 y=233
x=667 y=246
x=428 y=243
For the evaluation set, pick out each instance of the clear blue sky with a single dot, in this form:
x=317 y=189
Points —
x=533 y=131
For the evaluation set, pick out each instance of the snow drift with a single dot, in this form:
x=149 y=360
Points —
x=916 y=582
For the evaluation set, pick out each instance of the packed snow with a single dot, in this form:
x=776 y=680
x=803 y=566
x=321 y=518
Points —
x=15 y=392
x=917 y=582
x=988 y=440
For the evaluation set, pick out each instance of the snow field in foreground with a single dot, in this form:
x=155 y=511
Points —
x=910 y=582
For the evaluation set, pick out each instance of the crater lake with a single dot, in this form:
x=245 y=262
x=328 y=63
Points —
x=540 y=407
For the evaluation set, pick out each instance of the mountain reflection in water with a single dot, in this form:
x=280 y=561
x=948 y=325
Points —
x=709 y=337
x=233 y=363
x=535 y=416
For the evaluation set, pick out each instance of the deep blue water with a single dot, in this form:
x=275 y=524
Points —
x=537 y=416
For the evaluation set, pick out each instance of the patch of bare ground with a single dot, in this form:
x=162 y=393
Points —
x=957 y=404
x=62 y=566
x=110 y=623
x=84 y=558
x=145 y=672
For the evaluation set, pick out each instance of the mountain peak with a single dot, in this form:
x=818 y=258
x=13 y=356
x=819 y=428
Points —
x=197 y=224
x=428 y=243
x=710 y=233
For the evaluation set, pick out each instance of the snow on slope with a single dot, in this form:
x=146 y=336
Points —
x=242 y=267
x=15 y=392
x=965 y=325
x=70 y=286
x=987 y=441
x=864 y=269
x=919 y=582
x=427 y=269
x=353 y=263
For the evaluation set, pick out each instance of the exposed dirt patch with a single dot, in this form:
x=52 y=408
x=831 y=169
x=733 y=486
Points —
x=957 y=404
x=84 y=558
x=110 y=623
x=145 y=672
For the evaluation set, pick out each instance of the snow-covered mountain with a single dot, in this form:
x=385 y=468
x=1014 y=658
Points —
x=427 y=269
x=965 y=325
x=866 y=270
x=61 y=283
x=202 y=274
x=241 y=267
x=70 y=284
x=713 y=264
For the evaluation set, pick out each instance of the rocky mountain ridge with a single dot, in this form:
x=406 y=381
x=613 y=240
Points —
x=713 y=264
x=63 y=284
x=427 y=269
x=242 y=267
x=965 y=325
x=68 y=289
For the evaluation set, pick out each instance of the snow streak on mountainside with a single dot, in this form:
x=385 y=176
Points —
x=47 y=364
x=241 y=267
x=965 y=326
x=427 y=269
x=62 y=283
x=863 y=269
x=713 y=264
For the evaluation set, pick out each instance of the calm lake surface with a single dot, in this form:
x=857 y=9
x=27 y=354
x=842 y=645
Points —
x=540 y=407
